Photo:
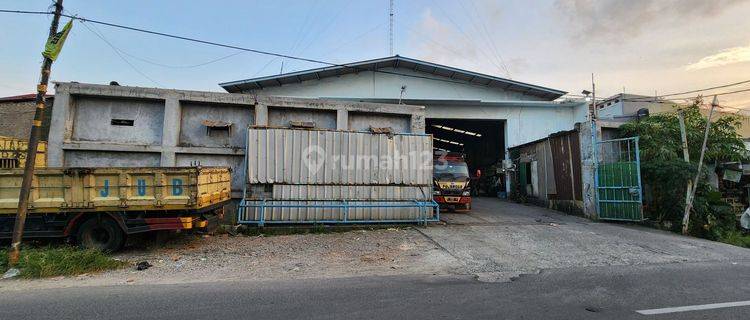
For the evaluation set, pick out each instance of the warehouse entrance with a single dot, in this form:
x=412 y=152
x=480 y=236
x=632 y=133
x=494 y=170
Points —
x=483 y=144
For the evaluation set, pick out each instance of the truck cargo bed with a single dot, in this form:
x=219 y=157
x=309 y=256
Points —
x=60 y=190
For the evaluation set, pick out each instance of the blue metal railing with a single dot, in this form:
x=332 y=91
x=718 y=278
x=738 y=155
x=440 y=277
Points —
x=262 y=205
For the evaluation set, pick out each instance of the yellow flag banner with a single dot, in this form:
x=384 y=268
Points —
x=55 y=43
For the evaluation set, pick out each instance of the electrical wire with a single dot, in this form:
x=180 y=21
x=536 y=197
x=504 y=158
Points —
x=217 y=44
x=466 y=36
x=181 y=66
x=117 y=51
x=705 y=89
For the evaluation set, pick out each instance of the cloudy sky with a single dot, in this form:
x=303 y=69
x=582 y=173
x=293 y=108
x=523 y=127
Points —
x=639 y=46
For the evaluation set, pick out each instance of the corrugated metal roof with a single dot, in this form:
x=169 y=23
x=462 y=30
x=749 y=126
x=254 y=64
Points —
x=449 y=73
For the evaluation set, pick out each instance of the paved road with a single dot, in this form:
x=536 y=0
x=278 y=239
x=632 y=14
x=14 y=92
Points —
x=614 y=292
x=500 y=239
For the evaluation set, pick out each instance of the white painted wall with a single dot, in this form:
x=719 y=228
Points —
x=377 y=85
x=528 y=118
x=523 y=122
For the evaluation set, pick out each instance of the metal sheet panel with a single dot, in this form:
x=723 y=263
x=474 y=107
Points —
x=333 y=212
x=353 y=193
x=302 y=156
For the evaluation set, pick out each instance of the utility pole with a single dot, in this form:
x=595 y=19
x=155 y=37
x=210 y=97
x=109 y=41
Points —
x=28 y=172
x=686 y=157
x=689 y=204
x=593 y=97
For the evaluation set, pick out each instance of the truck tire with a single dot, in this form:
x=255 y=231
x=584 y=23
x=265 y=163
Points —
x=100 y=234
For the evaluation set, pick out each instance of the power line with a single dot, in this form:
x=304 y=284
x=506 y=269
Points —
x=466 y=36
x=181 y=66
x=686 y=98
x=117 y=51
x=212 y=43
x=705 y=89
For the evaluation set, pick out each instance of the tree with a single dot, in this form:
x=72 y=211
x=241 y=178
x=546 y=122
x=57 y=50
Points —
x=665 y=173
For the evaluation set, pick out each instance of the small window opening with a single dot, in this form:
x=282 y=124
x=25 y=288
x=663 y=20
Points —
x=122 y=122
x=216 y=128
x=302 y=124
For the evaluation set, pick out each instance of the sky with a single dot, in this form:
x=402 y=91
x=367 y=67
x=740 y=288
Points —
x=649 y=47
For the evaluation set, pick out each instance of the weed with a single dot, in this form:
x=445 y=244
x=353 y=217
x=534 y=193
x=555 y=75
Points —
x=60 y=261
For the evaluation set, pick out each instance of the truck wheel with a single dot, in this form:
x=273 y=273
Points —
x=100 y=234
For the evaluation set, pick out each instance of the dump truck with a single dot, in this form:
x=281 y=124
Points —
x=99 y=207
x=452 y=190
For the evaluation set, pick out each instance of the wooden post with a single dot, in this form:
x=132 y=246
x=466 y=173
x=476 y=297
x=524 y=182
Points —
x=686 y=156
x=689 y=204
x=36 y=132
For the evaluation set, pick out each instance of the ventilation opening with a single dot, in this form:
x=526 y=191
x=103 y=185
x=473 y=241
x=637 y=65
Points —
x=9 y=163
x=122 y=122
x=216 y=128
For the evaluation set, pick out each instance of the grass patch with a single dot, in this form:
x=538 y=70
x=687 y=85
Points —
x=59 y=261
x=736 y=238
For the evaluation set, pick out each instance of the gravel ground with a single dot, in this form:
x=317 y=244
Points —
x=192 y=258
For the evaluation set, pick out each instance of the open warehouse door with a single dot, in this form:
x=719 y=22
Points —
x=478 y=143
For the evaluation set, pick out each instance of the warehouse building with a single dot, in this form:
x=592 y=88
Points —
x=111 y=125
x=478 y=114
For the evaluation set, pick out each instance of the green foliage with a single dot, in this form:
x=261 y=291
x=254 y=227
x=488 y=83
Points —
x=665 y=182
x=736 y=238
x=60 y=261
x=660 y=136
x=665 y=173
x=712 y=217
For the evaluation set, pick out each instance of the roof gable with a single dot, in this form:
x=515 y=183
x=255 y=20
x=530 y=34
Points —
x=444 y=73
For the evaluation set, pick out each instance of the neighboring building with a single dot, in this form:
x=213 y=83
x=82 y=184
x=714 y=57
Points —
x=17 y=113
x=548 y=171
x=478 y=114
x=626 y=106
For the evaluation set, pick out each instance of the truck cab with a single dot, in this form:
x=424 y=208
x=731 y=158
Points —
x=452 y=190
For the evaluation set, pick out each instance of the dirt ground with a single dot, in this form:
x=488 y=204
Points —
x=196 y=258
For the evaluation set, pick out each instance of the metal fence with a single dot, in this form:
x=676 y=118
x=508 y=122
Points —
x=263 y=212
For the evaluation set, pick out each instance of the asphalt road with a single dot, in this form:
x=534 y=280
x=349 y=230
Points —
x=579 y=293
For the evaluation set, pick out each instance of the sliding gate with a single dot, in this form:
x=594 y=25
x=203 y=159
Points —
x=618 y=180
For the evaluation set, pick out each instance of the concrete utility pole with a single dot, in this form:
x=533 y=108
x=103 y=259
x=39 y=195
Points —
x=686 y=157
x=28 y=172
x=593 y=97
x=689 y=204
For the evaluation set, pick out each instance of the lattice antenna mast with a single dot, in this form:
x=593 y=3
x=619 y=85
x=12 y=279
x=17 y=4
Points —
x=390 y=29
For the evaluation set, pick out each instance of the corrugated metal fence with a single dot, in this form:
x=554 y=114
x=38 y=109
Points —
x=324 y=176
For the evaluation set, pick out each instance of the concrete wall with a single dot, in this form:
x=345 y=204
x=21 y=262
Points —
x=168 y=127
x=193 y=133
x=89 y=158
x=280 y=117
x=360 y=121
x=93 y=116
